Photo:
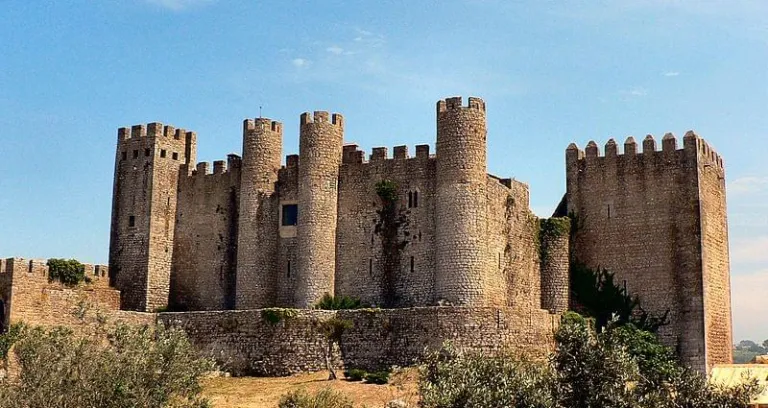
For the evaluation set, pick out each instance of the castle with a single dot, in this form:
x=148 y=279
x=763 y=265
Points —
x=442 y=248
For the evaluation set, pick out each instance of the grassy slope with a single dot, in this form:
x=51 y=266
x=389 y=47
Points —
x=255 y=392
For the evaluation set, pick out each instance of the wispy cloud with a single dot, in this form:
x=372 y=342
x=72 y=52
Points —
x=634 y=92
x=750 y=250
x=336 y=50
x=671 y=74
x=299 y=62
x=178 y=5
x=749 y=303
x=748 y=185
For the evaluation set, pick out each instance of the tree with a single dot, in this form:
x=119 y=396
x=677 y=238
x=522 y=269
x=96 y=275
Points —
x=333 y=329
x=596 y=294
x=765 y=345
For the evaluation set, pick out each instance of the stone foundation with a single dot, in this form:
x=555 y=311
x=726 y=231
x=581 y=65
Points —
x=247 y=343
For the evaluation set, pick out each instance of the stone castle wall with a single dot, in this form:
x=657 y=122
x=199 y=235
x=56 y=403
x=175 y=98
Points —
x=247 y=343
x=638 y=215
x=205 y=244
x=28 y=296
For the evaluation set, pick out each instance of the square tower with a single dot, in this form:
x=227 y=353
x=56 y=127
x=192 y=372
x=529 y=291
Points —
x=147 y=166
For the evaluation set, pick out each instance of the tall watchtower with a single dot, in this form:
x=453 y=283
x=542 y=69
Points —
x=258 y=225
x=320 y=147
x=147 y=166
x=461 y=207
x=657 y=219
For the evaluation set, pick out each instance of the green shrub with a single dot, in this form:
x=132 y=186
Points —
x=10 y=337
x=621 y=366
x=354 y=374
x=111 y=368
x=275 y=314
x=328 y=302
x=378 y=377
x=450 y=378
x=326 y=398
x=67 y=271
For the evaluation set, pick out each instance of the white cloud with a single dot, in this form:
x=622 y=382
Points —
x=335 y=50
x=634 y=92
x=748 y=300
x=748 y=184
x=750 y=250
x=178 y=5
x=671 y=74
x=299 y=62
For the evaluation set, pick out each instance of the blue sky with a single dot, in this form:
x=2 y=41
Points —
x=551 y=72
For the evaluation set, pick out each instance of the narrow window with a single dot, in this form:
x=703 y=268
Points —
x=499 y=260
x=411 y=264
x=124 y=155
x=131 y=221
x=370 y=266
x=609 y=211
x=290 y=214
x=415 y=198
x=135 y=154
x=162 y=153
x=410 y=199
x=289 y=269
x=146 y=152
x=175 y=156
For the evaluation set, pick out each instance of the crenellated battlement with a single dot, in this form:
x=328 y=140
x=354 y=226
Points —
x=262 y=124
x=352 y=154
x=455 y=103
x=693 y=146
x=322 y=117
x=219 y=168
x=37 y=269
x=152 y=130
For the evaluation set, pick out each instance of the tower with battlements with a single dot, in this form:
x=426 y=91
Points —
x=657 y=219
x=144 y=198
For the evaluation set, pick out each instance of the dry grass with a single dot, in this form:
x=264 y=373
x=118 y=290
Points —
x=256 y=392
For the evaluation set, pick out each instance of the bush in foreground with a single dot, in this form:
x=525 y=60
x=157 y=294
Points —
x=620 y=367
x=326 y=398
x=119 y=367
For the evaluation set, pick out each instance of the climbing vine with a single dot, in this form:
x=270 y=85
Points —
x=275 y=314
x=549 y=229
x=392 y=221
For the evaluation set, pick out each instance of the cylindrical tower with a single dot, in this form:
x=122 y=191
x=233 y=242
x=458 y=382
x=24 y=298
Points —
x=554 y=234
x=461 y=207
x=320 y=146
x=257 y=243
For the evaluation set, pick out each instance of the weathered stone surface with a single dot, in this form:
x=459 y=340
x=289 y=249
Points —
x=246 y=342
x=658 y=220
x=451 y=235
x=28 y=296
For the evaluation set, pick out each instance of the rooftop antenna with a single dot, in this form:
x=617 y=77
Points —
x=259 y=112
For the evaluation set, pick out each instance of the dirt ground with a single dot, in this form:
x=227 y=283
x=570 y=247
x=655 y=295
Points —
x=256 y=392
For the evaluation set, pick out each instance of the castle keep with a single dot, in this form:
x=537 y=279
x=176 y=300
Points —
x=395 y=232
x=440 y=248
